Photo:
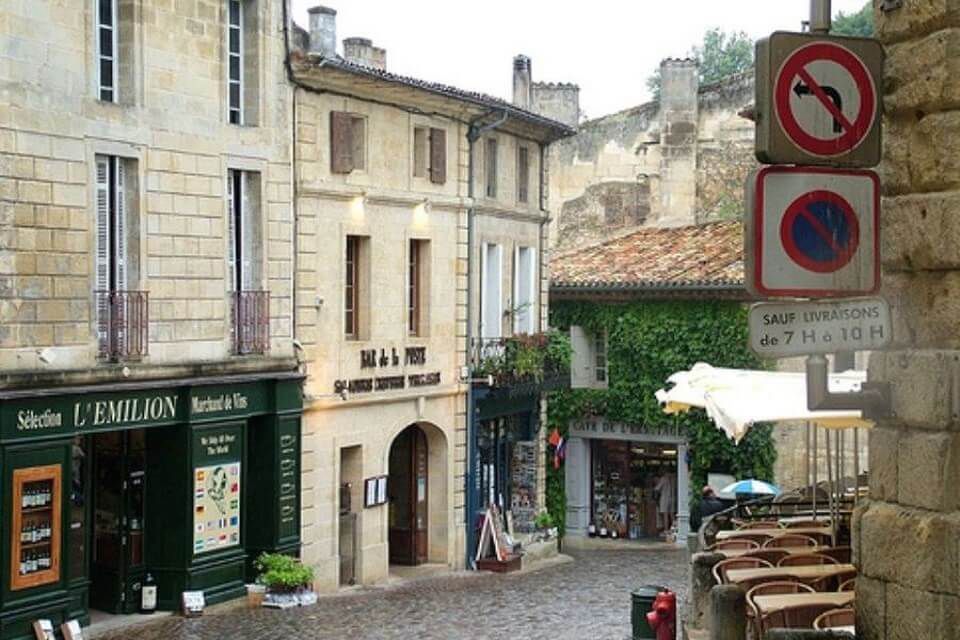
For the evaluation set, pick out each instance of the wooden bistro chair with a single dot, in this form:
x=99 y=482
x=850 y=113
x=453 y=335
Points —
x=759 y=524
x=848 y=585
x=746 y=534
x=835 y=618
x=798 y=617
x=790 y=540
x=776 y=587
x=806 y=559
x=773 y=556
x=736 y=544
x=720 y=569
x=840 y=554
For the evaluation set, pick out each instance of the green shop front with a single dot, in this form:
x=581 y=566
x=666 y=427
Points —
x=187 y=481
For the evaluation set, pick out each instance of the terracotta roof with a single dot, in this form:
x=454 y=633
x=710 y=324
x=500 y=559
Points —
x=701 y=257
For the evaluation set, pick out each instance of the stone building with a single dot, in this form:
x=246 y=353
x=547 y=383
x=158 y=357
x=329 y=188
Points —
x=420 y=218
x=146 y=283
x=905 y=537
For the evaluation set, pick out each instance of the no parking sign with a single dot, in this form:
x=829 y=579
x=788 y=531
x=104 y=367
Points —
x=812 y=232
x=817 y=100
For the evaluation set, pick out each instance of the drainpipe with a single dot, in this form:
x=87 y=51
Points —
x=475 y=131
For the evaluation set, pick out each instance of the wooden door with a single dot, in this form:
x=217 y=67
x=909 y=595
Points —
x=408 y=497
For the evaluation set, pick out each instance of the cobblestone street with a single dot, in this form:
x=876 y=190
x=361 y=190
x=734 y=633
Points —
x=588 y=598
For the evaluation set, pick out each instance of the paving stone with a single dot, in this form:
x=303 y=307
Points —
x=587 y=598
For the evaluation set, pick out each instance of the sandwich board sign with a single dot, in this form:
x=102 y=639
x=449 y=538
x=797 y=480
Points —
x=817 y=100
x=789 y=329
x=812 y=232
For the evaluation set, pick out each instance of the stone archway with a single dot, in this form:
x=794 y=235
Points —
x=418 y=519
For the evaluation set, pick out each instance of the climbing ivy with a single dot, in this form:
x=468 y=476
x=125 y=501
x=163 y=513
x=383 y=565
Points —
x=647 y=342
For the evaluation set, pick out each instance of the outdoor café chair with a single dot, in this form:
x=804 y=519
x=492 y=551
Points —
x=746 y=534
x=772 y=556
x=848 y=585
x=768 y=589
x=835 y=618
x=799 y=617
x=720 y=569
x=806 y=559
x=790 y=540
x=759 y=524
x=736 y=544
x=840 y=554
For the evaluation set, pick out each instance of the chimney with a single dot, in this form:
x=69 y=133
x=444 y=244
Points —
x=323 y=30
x=679 y=113
x=522 y=81
x=361 y=51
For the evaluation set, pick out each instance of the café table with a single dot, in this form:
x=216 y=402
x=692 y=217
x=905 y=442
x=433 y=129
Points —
x=736 y=553
x=802 y=573
x=775 y=602
x=728 y=534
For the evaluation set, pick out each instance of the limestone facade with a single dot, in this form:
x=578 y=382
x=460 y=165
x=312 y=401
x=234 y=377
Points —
x=404 y=180
x=906 y=536
x=171 y=131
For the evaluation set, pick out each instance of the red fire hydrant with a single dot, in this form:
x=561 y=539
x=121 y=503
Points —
x=663 y=618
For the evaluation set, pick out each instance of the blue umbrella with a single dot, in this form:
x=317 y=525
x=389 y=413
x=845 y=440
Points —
x=752 y=487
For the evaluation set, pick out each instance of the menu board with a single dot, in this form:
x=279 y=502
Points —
x=216 y=507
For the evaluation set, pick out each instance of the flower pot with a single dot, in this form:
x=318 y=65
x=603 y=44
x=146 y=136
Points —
x=255 y=595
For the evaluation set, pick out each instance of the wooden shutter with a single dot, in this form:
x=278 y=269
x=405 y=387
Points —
x=341 y=142
x=120 y=240
x=438 y=156
x=517 y=311
x=247 y=237
x=523 y=174
x=231 y=235
x=582 y=374
x=102 y=250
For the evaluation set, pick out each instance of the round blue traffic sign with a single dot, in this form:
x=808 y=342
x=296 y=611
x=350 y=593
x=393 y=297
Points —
x=820 y=231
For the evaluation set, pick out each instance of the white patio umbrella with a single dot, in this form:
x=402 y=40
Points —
x=735 y=399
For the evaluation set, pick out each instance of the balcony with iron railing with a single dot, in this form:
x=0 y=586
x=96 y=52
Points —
x=123 y=322
x=522 y=365
x=250 y=322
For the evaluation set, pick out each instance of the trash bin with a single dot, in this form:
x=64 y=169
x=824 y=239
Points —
x=642 y=603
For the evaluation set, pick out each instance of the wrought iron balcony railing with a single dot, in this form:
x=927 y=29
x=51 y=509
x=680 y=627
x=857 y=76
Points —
x=251 y=322
x=123 y=322
x=539 y=361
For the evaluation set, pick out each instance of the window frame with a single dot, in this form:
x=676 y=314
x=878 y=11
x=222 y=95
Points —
x=601 y=368
x=239 y=55
x=421 y=152
x=532 y=313
x=114 y=87
x=414 y=287
x=523 y=174
x=490 y=151
x=351 y=287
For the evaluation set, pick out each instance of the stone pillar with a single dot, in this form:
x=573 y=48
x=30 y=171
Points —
x=679 y=113
x=683 y=495
x=906 y=536
x=701 y=582
x=577 y=486
x=728 y=613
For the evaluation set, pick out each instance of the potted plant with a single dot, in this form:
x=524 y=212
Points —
x=287 y=580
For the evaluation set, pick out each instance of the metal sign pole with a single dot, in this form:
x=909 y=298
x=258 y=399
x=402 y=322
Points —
x=820 y=16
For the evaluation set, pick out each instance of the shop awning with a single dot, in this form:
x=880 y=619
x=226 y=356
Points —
x=735 y=399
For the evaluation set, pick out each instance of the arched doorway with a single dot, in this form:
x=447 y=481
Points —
x=409 y=500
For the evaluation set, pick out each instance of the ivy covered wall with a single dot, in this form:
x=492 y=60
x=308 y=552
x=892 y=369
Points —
x=647 y=342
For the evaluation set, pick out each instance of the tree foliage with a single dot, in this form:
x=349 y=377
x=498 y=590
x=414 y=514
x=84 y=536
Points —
x=859 y=23
x=647 y=342
x=720 y=55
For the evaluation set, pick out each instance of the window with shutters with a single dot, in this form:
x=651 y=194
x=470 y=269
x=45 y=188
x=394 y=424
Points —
x=525 y=312
x=242 y=62
x=121 y=315
x=491 y=291
x=490 y=150
x=430 y=154
x=523 y=174
x=348 y=142
x=250 y=303
x=356 y=287
x=418 y=287
x=588 y=369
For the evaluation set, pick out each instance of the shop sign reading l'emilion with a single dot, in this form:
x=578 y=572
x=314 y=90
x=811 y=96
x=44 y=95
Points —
x=817 y=100
x=788 y=329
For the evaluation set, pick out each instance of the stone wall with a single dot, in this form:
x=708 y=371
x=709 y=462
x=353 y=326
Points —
x=170 y=123
x=906 y=538
x=700 y=179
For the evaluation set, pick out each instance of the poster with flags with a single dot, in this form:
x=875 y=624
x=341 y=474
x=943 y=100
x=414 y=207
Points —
x=216 y=507
x=559 y=445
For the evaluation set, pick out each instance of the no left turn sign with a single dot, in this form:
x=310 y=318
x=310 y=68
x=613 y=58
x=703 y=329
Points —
x=825 y=99
x=817 y=100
